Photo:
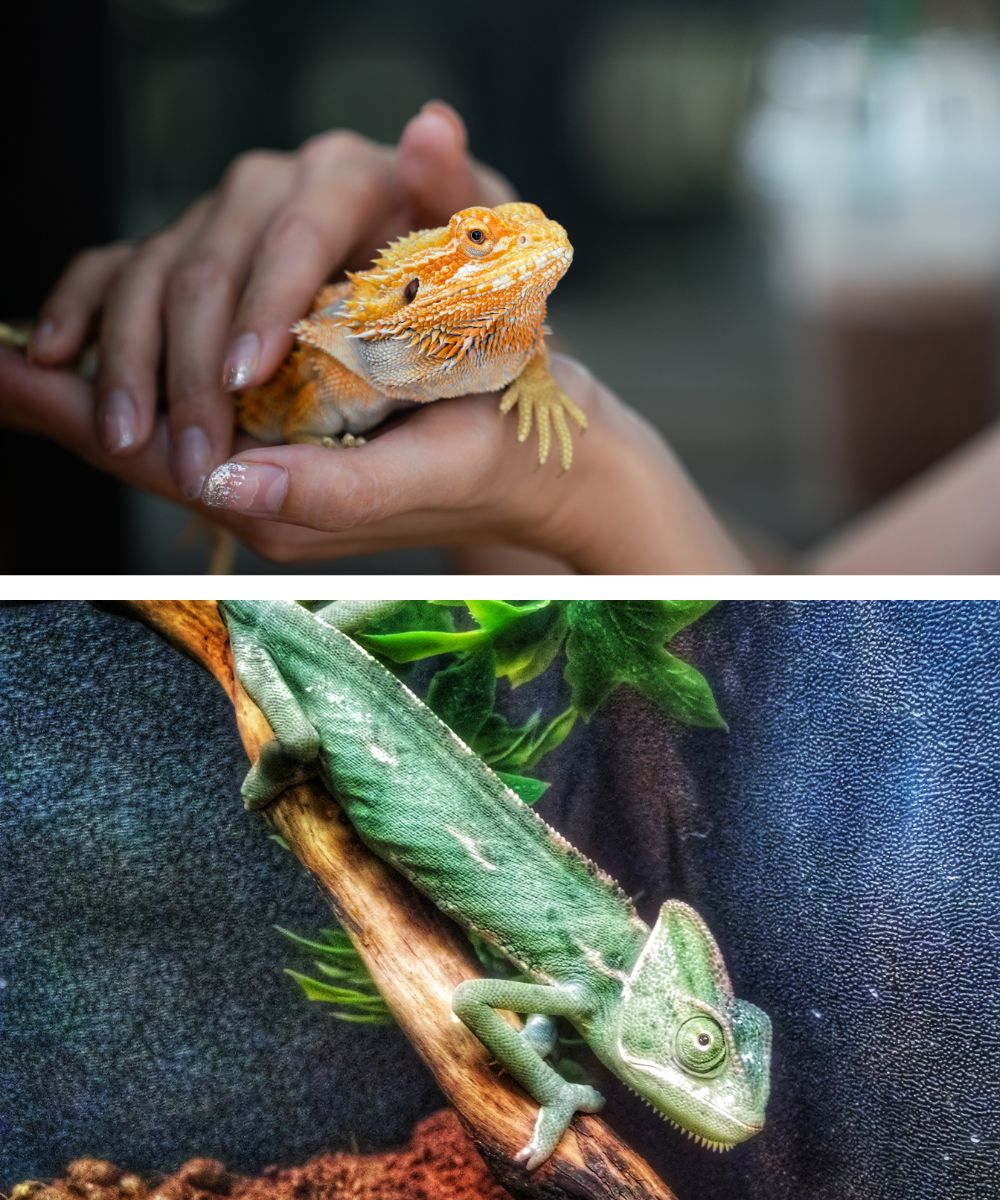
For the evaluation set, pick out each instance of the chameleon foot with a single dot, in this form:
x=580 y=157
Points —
x=553 y=1121
x=540 y=402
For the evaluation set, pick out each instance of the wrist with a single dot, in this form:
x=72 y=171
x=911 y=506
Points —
x=628 y=506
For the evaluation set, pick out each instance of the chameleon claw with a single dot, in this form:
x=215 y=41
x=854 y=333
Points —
x=554 y=1119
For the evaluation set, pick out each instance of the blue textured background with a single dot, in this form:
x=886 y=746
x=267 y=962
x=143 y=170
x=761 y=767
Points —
x=843 y=841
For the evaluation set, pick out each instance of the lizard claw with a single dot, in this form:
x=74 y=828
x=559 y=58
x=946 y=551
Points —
x=553 y=1120
x=541 y=403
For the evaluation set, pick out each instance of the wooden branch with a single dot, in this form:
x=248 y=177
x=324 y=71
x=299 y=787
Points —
x=416 y=958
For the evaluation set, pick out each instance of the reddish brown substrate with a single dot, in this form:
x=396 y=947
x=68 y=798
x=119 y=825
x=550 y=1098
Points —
x=439 y=1162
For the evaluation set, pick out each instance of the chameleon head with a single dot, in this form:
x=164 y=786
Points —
x=696 y=1054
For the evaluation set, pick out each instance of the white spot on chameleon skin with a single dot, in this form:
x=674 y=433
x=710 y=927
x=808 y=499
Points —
x=472 y=847
x=382 y=756
x=597 y=962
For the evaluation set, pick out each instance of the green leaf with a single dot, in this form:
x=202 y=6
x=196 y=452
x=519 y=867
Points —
x=413 y=614
x=498 y=741
x=337 y=946
x=526 y=648
x=494 y=618
x=496 y=614
x=530 y=790
x=528 y=749
x=421 y=643
x=621 y=641
x=463 y=694
x=329 y=993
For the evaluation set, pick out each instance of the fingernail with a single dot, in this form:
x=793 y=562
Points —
x=192 y=456
x=41 y=337
x=241 y=361
x=439 y=109
x=116 y=421
x=247 y=487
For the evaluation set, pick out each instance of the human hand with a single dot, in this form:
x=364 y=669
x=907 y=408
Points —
x=451 y=474
x=214 y=295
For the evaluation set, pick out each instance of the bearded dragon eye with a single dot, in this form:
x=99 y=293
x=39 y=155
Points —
x=411 y=290
x=700 y=1045
x=477 y=235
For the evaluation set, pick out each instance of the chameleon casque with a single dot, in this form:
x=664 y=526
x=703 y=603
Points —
x=655 y=1005
x=441 y=313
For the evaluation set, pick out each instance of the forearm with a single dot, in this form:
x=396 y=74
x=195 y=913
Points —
x=943 y=523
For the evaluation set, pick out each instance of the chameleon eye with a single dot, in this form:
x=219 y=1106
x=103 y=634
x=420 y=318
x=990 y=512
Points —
x=477 y=236
x=411 y=289
x=700 y=1045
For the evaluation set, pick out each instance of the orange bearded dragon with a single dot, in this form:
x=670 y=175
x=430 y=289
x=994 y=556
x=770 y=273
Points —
x=441 y=312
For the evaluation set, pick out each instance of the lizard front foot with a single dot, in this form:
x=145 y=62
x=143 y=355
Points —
x=341 y=441
x=553 y=1121
x=541 y=402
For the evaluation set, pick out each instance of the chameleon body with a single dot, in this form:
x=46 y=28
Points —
x=656 y=1006
x=442 y=312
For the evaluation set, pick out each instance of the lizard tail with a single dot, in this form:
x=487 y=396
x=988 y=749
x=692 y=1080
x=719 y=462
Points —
x=15 y=335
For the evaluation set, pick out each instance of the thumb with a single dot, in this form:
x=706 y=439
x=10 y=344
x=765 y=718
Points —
x=442 y=458
x=435 y=171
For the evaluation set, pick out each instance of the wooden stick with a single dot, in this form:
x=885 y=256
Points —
x=415 y=957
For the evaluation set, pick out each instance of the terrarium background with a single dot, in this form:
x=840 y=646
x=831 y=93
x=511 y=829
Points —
x=623 y=121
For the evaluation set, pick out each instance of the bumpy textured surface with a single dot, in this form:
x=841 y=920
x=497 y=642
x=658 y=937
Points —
x=442 y=312
x=438 y=1163
x=842 y=841
x=144 y=1016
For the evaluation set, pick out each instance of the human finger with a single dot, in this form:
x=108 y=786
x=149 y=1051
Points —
x=413 y=466
x=435 y=171
x=66 y=315
x=200 y=299
x=343 y=184
x=131 y=338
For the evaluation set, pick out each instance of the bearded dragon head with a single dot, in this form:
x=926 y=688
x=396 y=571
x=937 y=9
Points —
x=487 y=268
x=681 y=1040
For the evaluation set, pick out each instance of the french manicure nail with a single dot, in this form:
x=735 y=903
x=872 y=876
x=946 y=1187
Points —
x=247 y=487
x=241 y=361
x=116 y=421
x=192 y=456
x=41 y=336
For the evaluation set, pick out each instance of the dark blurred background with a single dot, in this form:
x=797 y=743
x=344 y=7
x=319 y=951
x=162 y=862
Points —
x=784 y=215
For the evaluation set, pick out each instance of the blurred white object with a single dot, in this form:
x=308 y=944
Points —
x=878 y=167
x=880 y=162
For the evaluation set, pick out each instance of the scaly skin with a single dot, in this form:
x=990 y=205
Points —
x=441 y=313
x=656 y=1006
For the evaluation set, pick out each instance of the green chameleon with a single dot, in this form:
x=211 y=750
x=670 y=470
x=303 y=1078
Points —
x=656 y=1006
